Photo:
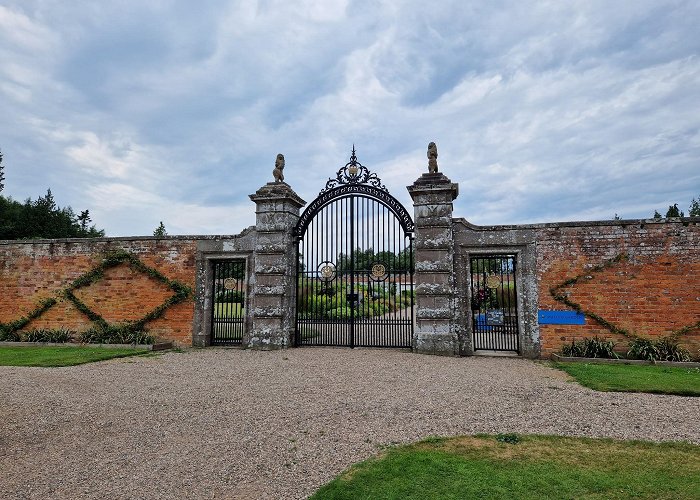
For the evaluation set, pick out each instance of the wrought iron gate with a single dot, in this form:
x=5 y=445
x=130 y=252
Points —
x=354 y=265
x=228 y=302
x=494 y=303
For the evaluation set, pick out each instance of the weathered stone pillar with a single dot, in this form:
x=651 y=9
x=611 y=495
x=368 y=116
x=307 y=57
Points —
x=277 y=212
x=435 y=331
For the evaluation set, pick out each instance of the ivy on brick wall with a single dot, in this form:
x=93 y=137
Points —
x=8 y=331
x=112 y=259
x=560 y=296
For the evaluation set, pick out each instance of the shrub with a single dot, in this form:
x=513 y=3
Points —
x=669 y=350
x=379 y=309
x=7 y=335
x=123 y=333
x=590 y=348
x=339 y=313
x=58 y=335
x=641 y=348
x=231 y=297
x=663 y=349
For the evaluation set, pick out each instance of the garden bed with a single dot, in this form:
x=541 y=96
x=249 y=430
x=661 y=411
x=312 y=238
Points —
x=622 y=361
x=160 y=346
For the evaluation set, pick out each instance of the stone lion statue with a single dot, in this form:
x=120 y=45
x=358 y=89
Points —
x=432 y=158
x=279 y=166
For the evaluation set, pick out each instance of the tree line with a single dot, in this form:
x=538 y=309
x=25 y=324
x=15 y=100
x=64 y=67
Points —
x=41 y=218
x=674 y=211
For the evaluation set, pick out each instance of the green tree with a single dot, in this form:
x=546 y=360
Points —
x=363 y=260
x=657 y=215
x=84 y=219
x=673 y=211
x=160 y=230
x=694 y=209
x=42 y=218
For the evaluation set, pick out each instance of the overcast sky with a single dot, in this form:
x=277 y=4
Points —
x=175 y=110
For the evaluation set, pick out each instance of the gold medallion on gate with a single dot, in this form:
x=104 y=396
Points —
x=378 y=272
x=493 y=281
x=326 y=271
x=230 y=283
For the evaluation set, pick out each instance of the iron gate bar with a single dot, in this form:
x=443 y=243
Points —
x=351 y=228
x=352 y=271
x=494 y=309
x=228 y=302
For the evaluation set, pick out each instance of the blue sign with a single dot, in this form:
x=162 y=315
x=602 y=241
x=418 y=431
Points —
x=494 y=317
x=560 y=318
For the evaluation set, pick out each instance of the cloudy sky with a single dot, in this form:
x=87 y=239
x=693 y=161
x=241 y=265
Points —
x=175 y=110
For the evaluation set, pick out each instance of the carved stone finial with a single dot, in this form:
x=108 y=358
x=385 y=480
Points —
x=279 y=166
x=432 y=158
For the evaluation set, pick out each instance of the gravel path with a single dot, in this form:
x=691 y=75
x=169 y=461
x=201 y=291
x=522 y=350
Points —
x=220 y=423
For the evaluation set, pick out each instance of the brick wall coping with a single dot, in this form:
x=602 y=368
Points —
x=549 y=225
x=212 y=237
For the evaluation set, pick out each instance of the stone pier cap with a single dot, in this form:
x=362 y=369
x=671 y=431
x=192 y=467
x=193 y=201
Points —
x=430 y=182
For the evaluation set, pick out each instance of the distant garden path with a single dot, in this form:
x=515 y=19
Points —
x=250 y=424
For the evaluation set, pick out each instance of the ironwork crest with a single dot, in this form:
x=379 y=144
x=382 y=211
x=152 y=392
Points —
x=354 y=172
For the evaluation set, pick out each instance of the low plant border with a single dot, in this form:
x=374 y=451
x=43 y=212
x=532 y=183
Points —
x=623 y=361
x=559 y=296
x=111 y=259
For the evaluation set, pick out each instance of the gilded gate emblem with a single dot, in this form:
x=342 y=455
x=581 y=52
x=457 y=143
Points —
x=378 y=272
x=493 y=281
x=327 y=271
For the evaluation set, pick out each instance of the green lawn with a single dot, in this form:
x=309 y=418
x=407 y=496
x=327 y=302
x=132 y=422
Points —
x=60 y=356
x=536 y=467
x=635 y=378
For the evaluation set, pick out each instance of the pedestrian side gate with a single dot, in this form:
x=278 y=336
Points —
x=494 y=304
x=228 y=302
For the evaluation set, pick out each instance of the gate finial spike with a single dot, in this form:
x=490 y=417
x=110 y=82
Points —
x=432 y=158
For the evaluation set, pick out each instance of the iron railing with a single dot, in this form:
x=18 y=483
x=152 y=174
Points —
x=494 y=304
x=228 y=300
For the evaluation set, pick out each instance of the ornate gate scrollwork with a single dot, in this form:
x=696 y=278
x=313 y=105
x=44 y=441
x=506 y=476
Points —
x=354 y=265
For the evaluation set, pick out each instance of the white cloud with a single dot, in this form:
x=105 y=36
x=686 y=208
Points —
x=117 y=159
x=541 y=110
x=126 y=206
x=24 y=34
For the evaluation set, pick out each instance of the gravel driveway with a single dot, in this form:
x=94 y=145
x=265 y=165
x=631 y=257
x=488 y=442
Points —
x=227 y=423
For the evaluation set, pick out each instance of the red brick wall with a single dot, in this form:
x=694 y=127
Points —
x=652 y=290
x=30 y=272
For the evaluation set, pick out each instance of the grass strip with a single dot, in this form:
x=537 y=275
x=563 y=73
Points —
x=635 y=378
x=534 y=467
x=60 y=356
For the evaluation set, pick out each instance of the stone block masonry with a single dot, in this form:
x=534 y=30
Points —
x=435 y=329
x=274 y=305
